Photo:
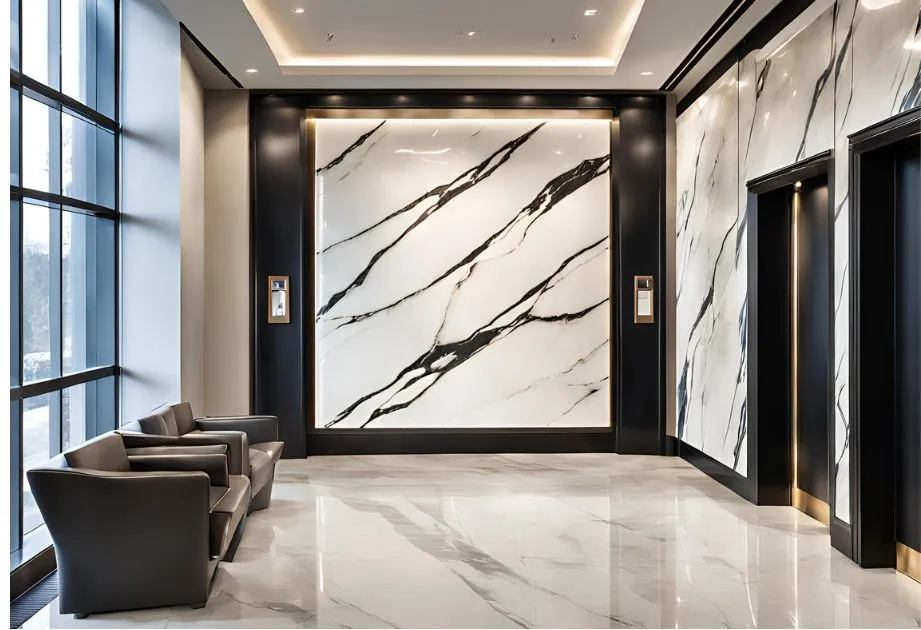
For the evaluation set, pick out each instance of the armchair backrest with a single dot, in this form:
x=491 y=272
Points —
x=182 y=414
x=106 y=452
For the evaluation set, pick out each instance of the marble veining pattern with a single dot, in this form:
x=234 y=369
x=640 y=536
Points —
x=877 y=75
x=512 y=541
x=463 y=273
x=850 y=68
x=788 y=100
x=712 y=294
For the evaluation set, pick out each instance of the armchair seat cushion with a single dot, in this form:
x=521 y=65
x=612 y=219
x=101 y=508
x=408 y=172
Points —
x=226 y=514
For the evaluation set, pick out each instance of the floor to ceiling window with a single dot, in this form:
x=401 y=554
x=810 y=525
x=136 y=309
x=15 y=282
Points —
x=63 y=215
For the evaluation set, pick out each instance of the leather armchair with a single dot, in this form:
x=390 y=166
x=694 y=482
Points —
x=138 y=530
x=252 y=441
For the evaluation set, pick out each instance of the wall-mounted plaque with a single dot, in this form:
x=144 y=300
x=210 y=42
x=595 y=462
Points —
x=279 y=300
x=643 y=293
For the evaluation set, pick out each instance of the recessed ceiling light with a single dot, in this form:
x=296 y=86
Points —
x=297 y=11
x=471 y=33
x=252 y=70
x=647 y=73
x=591 y=12
x=913 y=44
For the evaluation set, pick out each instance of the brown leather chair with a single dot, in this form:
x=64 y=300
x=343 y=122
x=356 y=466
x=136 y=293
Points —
x=253 y=443
x=139 y=528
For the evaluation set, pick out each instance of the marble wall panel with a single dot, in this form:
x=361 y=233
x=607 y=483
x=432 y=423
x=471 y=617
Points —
x=712 y=296
x=463 y=273
x=877 y=75
x=855 y=65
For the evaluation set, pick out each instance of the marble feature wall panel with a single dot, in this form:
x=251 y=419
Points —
x=788 y=100
x=463 y=273
x=712 y=294
x=878 y=75
x=852 y=67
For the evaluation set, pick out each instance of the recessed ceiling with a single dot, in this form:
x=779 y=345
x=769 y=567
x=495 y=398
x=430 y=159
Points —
x=431 y=35
x=420 y=44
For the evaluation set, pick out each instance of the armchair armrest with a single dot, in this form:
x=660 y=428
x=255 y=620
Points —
x=236 y=442
x=107 y=524
x=215 y=465
x=237 y=447
x=259 y=429
x=134 y=439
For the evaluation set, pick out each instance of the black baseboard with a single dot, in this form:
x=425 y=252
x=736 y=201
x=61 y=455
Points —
x=432 y=441
x=716 y=470
x=841 y=537
x=671 y=446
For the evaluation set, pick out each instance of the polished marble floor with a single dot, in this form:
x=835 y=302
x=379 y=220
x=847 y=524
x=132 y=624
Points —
x=527 y=540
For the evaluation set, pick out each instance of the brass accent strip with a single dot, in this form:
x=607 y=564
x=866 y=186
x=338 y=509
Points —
x=794 y=342
x=908 y=561
x=809 y=505
x=475 y=114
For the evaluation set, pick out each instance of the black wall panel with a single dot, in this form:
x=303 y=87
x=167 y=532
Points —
x=278 y=231
x=908 y=349
x=813 y=340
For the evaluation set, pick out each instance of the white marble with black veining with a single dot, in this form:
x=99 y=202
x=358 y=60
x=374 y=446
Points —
x=878 y=75
x=850 y=68
x=463 y=273
x=712 y=292
x=511 y=541
x=787 y=101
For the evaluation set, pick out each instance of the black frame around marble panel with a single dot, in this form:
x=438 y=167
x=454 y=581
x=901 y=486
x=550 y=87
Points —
x=871 y=280
x=282 y=230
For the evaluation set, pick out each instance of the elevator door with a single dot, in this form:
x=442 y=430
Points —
x=812 y=339
x=908 y=349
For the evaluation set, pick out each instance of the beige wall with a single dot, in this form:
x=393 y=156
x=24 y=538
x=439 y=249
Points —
x=226 y=248
x=192 y=235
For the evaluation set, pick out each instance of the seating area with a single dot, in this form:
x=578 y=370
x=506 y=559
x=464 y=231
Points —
x=141 y=516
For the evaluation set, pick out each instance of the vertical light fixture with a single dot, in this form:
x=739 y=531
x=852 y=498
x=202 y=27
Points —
x=794 y=341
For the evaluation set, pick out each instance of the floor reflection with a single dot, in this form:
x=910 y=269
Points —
x=528 y=540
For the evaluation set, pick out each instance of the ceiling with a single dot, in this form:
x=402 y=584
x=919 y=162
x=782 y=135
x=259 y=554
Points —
x=515 y=44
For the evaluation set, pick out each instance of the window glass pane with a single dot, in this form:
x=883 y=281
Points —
x=14 y=137
x=37 y=260
x=14 y=34
x=40 y=439
x=87 y=410
x=41 y=47
x=88 y=281
x=88 y=53
x=41 y=146
x=88 y=156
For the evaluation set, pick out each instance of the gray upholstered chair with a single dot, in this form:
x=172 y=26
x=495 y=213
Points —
x=253 y=443
x=140 y=528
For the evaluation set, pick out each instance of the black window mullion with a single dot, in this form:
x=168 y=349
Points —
x=15 y=292
x=55 y=286
x=15 y=475
x=55 y=424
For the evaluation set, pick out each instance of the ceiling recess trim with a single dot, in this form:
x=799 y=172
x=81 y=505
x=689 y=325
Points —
x=291 y=63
